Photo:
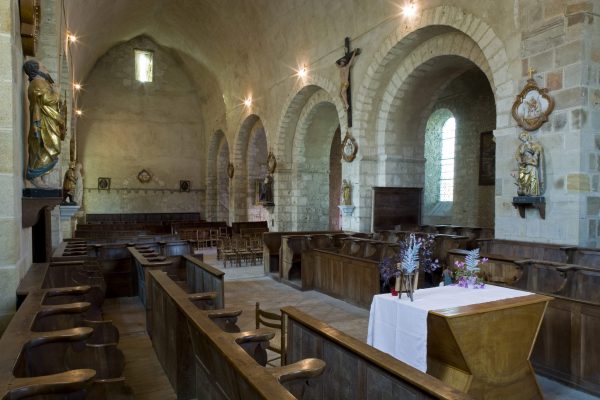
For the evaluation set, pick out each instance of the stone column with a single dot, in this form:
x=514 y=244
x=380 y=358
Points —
x=15 y=242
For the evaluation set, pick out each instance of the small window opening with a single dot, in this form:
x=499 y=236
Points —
x=143 y=65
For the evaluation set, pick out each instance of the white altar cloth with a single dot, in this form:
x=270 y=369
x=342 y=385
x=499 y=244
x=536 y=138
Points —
x=399 y=327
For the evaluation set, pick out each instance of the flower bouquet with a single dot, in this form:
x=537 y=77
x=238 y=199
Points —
x=467 y=272
x=414 y=254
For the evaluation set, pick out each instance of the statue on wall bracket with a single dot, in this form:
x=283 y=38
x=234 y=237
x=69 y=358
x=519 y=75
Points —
x=271 y=163
x=47 y=127
x=532 y=106
x=230 y=170
x=531 y=109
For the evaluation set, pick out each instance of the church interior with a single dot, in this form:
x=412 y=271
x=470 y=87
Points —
x=285 y=199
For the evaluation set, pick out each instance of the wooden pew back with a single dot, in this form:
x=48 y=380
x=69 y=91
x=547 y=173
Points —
x=355 y=369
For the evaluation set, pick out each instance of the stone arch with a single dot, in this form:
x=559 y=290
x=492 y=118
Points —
x=293 y=106
x=459 y=33
x=217 y=181
x=432 y=22
x=316 y=128
x=250 y=127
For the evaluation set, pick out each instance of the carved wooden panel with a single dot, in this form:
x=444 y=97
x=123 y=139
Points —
x=396 y=206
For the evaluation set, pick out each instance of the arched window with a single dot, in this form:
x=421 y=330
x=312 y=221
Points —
x=447 y=160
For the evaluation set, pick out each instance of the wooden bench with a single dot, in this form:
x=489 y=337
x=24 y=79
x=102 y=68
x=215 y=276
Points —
x=352 y=279
x=222 y=365
x=272 y=244
x=356 y=370
x=54 y=345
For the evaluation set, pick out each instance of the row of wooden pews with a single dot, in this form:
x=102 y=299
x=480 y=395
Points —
x=567 y=348
x=57 y=345
x=186 y=311
x=115 y=259
x=340 y=264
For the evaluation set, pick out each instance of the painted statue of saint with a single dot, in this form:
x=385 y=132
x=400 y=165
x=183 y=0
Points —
x=79 y=185
x=530 y=157
x=47 y=124
x=346 y=193
x=70 y=185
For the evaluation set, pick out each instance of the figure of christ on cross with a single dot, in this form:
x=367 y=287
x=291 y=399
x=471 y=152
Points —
x=344 y=64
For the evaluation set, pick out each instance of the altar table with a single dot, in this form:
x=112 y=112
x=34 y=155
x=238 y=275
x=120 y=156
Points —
x=477 y=340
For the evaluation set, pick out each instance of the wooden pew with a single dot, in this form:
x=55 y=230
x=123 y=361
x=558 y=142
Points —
x=352 y=279
x=222 y=365
x=39 y=362
x=356 y=370
x=272 y=244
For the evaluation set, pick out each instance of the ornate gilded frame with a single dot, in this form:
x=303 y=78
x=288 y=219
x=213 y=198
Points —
x=349 y=147
x=532 y=106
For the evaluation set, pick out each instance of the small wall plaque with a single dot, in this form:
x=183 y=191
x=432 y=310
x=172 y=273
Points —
x=184 y=186
x=103 y=183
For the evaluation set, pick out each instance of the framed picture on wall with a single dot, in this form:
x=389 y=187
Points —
x=487 y=159
x=103 y=183
x=258 y=191
x=184 y=186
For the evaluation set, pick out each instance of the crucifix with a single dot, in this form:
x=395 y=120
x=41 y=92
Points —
x=344 y=64
x=530 y=70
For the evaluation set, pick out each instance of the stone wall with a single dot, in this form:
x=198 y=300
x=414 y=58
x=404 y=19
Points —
x=554 y=44
x=404 y=63
x=129 y=126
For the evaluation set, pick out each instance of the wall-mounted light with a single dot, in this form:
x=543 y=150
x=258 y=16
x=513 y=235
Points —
x=409 y=9
x=71 y=38
x=248 y=101
x=77 y=86
x=78 y=112
x=303 y=71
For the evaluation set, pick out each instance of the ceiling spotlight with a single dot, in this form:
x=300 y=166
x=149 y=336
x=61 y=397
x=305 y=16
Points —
x=248 y=101
x=409 y=10
x=72 y=38
x=77 y=86
x=79 y=112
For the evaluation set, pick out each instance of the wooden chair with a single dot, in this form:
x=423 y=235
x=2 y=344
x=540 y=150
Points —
x=274 y=321
x=228 y=252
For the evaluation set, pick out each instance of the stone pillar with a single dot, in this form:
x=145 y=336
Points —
x=15 y=242
x=552 y=44
x=281 y=215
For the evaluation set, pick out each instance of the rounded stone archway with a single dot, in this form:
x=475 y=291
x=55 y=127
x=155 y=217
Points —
x=217 y=191
x=249 y=159
x=407 y=55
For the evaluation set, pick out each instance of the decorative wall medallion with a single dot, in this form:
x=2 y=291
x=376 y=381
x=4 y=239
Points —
x=230 y=170
x=103 y=183
x=271 y=162
x=144 y=176
x=532 y=107
x=184 y=186
x=349 y=147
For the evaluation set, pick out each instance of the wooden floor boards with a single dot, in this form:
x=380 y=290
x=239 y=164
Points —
x=142 y=372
